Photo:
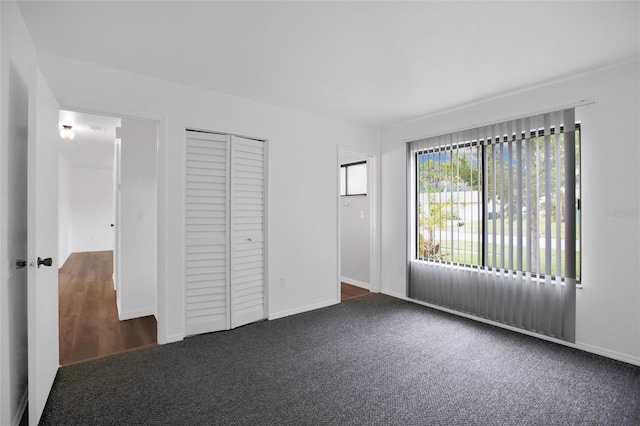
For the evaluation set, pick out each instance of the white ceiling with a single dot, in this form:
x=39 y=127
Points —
x=374 y=63
x=94 y=142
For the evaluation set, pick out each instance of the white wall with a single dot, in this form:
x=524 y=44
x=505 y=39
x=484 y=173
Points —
x=64 y=210
x=91 y=209
x=608 y=307
x=138 y=219
x=17 y=53
x=302 y=204
x=355 y=233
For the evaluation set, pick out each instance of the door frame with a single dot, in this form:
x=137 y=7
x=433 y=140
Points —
x=162 y=137
x=373 y=178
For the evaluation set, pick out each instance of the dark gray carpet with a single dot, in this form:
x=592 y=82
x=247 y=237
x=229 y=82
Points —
x=372 y=360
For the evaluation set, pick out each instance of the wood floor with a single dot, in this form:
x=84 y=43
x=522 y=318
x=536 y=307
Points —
x=347 y=291
x=89 y=325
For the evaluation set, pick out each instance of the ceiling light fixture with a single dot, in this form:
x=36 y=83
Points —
x=67 y=133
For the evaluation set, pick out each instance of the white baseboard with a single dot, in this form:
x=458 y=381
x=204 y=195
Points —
x=22 y=408
x=609 y=353
x=581 y=346
x=123 y=316
x=357 y=283
x=170 y=339
x=394 y=294
x=91 y=249
x=302 y=309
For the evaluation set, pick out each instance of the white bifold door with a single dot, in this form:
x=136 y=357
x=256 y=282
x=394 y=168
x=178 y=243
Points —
x=225 y=247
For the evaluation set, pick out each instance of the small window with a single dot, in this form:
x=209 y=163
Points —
x=353 y=179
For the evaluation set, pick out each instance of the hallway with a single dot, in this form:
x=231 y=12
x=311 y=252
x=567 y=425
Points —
x=89 y=324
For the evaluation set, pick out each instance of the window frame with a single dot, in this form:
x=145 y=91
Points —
x=346 y=167
x=480 y=232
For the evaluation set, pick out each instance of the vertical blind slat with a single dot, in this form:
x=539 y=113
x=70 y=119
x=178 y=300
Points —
x=494 y=242
x=485 y=184
x=450 y=201
x=559 y=211
x=480 y=185
x=528 y=164
x=501 y=173
x=570 y=194
x=519 y=252
x=510 y=192
x=547 y=193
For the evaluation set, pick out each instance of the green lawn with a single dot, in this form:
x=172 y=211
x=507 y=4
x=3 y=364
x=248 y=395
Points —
x=464 y=250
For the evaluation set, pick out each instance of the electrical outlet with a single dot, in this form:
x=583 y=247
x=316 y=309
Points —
x=283 y=282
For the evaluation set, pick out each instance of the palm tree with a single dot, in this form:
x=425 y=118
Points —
x=430 y=216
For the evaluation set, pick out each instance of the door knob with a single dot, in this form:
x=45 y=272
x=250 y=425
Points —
x=21 y=263
x=45 y=262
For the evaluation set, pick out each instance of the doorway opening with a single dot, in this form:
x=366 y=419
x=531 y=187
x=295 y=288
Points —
x=358 y=251
x=89 y=326
x=103 y=308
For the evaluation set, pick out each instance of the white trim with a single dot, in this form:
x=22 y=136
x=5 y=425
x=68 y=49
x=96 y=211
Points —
x=79 y=105
x=123 y=316
x=373 y=161
x=171 y=339
x=67 y=258
x=228 y=229
x=89 y=107
x=265 y=229
x=303 y=309
x=581 y=346
x=608 y=353
x=395 y=294
x=357 y=283
x=22 y=408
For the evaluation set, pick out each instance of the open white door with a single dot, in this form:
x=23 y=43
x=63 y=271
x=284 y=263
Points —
x=42 y=239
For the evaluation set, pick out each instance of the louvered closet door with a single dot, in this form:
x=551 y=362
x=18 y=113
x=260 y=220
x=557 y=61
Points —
x=207 y=233
x=248 y=267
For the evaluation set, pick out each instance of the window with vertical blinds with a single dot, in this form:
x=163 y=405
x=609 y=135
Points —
x=504 y=201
